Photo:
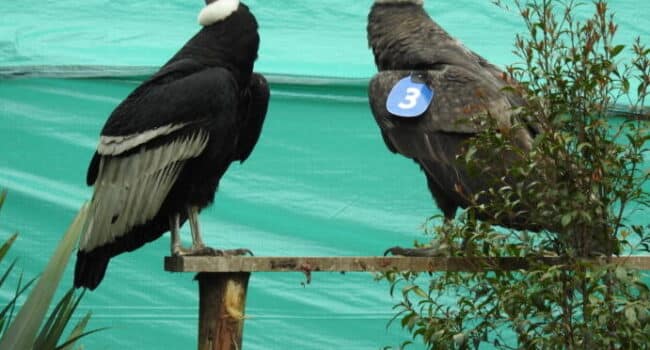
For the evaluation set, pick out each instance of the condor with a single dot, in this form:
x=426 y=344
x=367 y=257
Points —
x=450 y=84
x=164 y=149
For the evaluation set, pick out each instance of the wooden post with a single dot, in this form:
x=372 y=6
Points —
x=222 y=300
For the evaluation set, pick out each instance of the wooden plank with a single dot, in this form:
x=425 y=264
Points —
x=366 y=263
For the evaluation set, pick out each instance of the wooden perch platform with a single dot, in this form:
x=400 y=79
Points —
x=223 y=281
x=367 y=263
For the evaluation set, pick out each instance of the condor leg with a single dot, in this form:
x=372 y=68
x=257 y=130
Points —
x=198 y=247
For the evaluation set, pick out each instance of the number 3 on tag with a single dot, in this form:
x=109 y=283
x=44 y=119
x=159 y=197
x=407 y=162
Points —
x=409 y=99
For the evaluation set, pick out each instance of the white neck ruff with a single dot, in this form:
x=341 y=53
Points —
x=217 y=11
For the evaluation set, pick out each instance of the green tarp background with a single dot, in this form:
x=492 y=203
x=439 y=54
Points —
x=320 y=181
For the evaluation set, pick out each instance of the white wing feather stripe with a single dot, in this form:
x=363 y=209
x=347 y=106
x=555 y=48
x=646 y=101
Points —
x=129 y=191
x=114 y=145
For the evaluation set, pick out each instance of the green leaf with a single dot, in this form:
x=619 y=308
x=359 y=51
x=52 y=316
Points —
x=621 y=273
x=630 y=315
x=460 y=339
x=418 y=291
x=6 y=245
x=616 y=50
x=3 y=196
x=22 y=332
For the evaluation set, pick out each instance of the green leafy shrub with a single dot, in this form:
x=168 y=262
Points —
x=582 y=180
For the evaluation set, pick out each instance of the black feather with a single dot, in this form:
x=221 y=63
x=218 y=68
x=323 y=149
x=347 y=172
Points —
x=254 y=105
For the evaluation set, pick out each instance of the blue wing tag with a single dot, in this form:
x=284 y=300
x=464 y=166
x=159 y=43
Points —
x=409 y=98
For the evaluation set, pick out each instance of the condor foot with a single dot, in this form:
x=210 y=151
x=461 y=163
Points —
x=208 y=251
x=426 y=252
x=436 y=249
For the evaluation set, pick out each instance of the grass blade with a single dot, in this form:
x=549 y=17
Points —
x=76 y=332
x=72 y=340
x=51 y=331
x=22 y=332
x=6 y=245
x=7 y=272
x=19 y=291
x=3 y=196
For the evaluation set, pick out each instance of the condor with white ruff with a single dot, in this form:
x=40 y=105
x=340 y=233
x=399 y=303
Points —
x=450 y=84
x=164 y=149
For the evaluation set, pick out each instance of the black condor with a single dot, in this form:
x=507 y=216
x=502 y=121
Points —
x=164 y=149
